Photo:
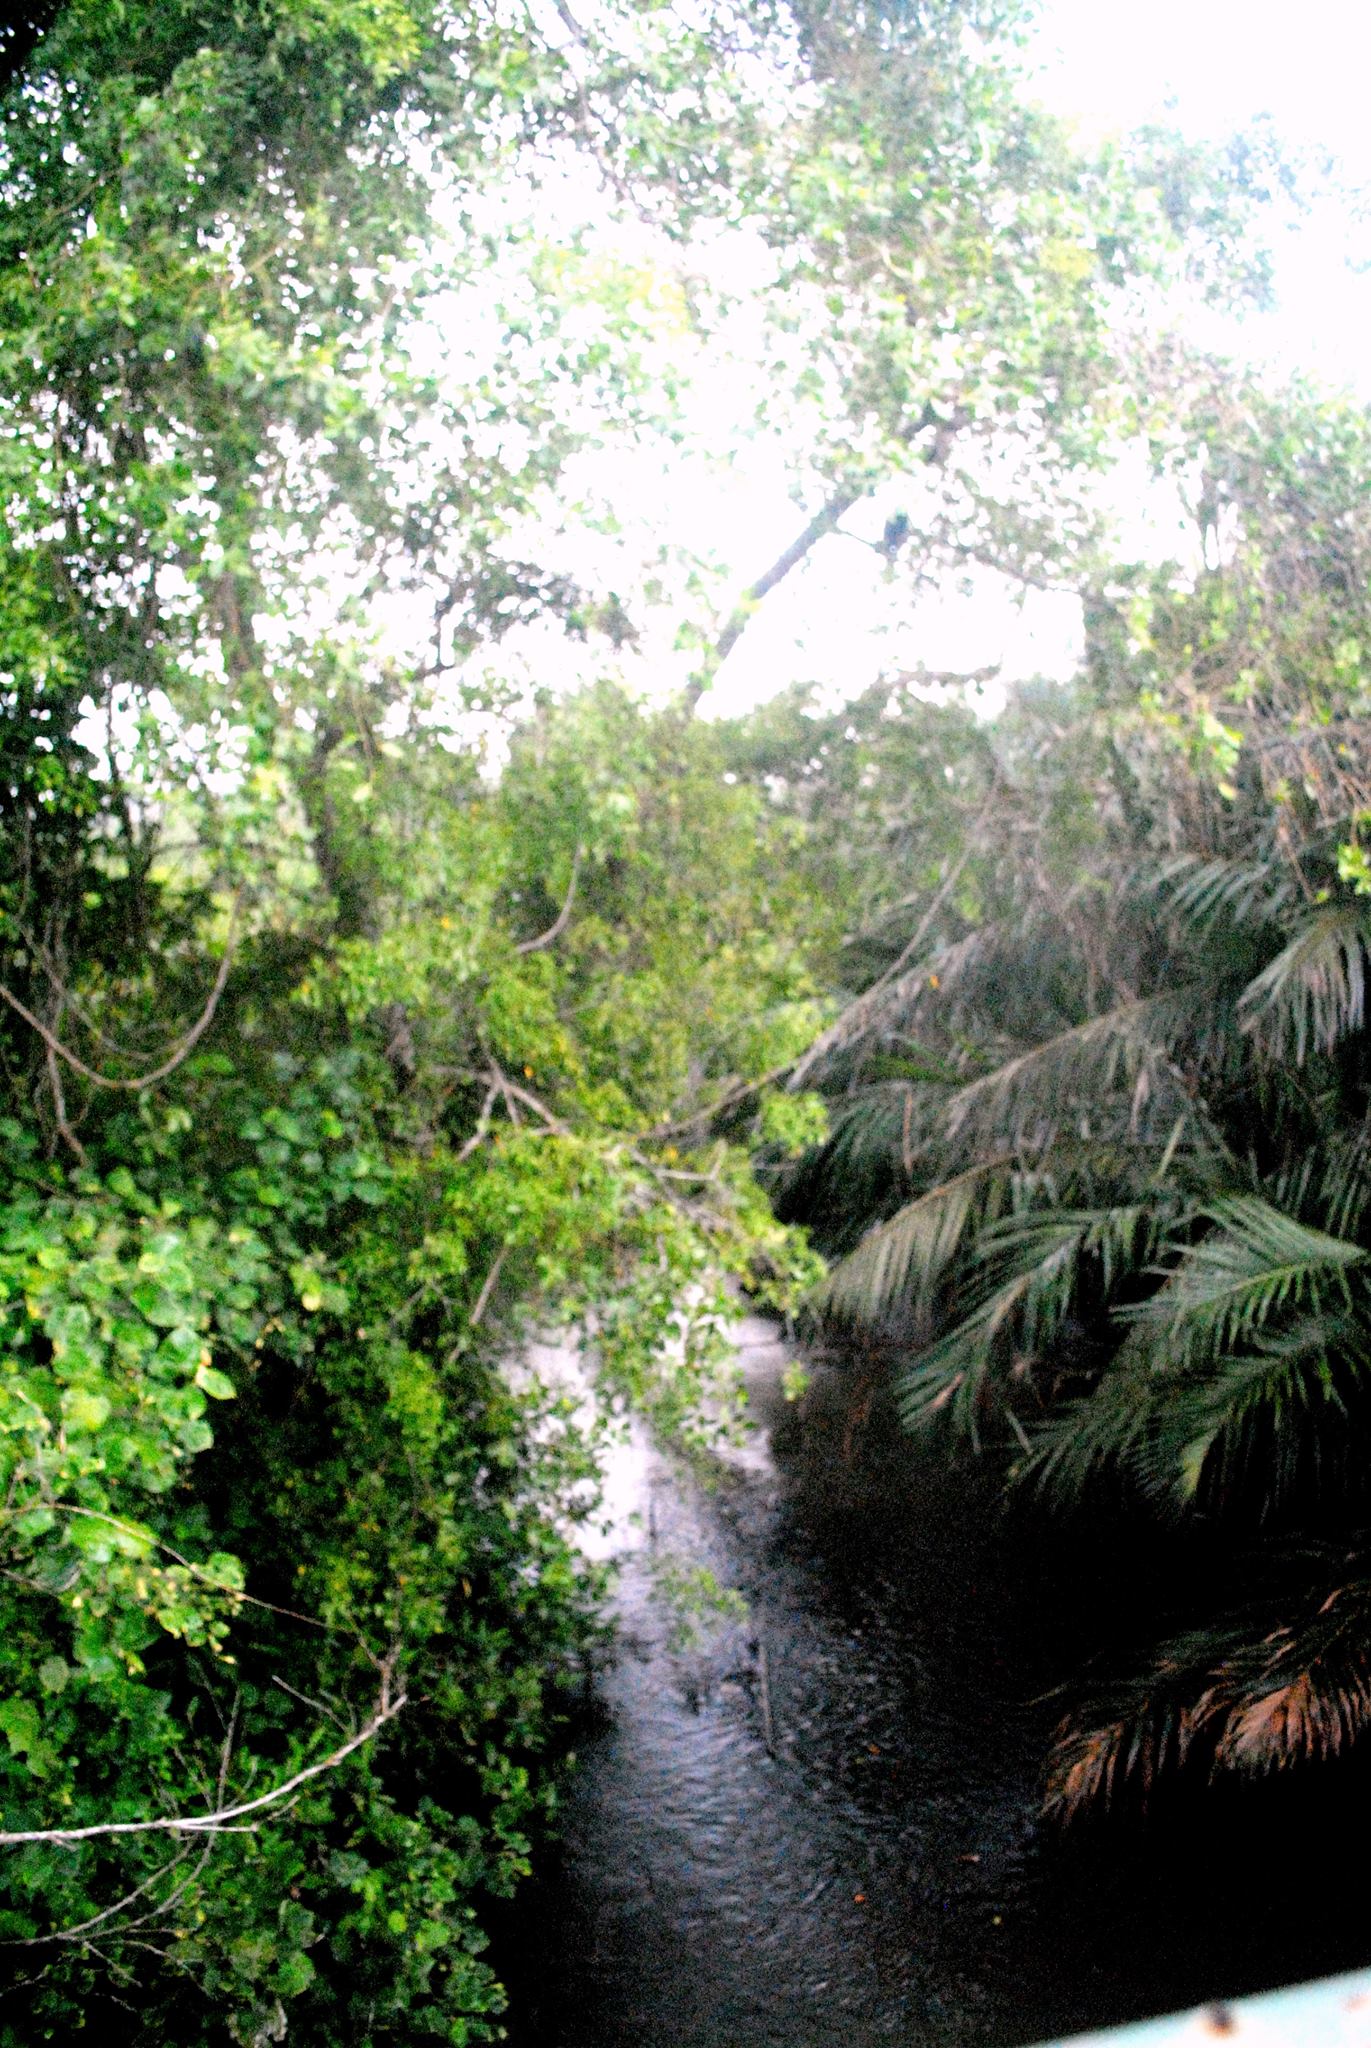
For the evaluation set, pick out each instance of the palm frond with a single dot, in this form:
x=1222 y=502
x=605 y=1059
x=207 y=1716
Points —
x=1344 y=1184
x=885 y=1124
x=1095 y=1759
x=893 y=998
x=955 y=1373
x=1062 y=1081
x=864 y=1167
x=1028 y=1280
x=1207 y=890
x=906 y=1257
x=1305 y=1695
x=1259 y=1409
x=946 y=980
x=887 y=999
x=1109 y=1430
x=1286 y=1682
x=956 y=964
x=1215 y=1383
x=1314 y=992
x=1223 y=1291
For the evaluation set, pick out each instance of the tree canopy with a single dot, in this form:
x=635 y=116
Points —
x=368 y=1003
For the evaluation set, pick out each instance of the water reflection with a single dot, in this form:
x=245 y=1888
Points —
x=816 y=1826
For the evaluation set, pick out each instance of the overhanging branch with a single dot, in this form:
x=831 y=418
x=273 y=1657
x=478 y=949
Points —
x=943 y=428
x=821 y=525
x=555 y=930
x=223 y=1816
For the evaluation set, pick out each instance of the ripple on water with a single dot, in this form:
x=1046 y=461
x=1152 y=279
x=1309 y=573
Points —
x=873 y=1875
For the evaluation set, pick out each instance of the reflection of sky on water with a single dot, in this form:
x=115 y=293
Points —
x=814 y=1827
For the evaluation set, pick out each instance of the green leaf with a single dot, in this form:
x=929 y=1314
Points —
x=21 y=1725
x=53 y=1674
x=216 y=1384
x=84 y=1411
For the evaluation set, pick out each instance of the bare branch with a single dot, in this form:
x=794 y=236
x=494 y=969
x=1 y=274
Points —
x=734 y=1093
x=530 y=1101
x=222 y=1817
x=482 y=1125
x=819 y=527
x=326 y=1713
x=555 y=930
x=226 y=1749
x=59 y=1107
x=944 y=431
x=83 y=1927
x=488 y=1287
x=181 y=1051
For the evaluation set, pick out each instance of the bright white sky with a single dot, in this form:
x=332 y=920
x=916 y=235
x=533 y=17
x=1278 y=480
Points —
x=1208 y=66
x=1211 y=66
x=1221 y=60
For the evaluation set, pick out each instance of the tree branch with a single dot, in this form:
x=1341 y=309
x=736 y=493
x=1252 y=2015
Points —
x=59 y=1106
x=555 y=930
x=84 y=1927
x=531 y=1101
x=819 y=527
x=181 y=1051
x=210 y=1823
x=944 y=430
x=701 y=1118
x=142 y=1535
x=498 y=1081
x=474 y=1142
x=488 y=1286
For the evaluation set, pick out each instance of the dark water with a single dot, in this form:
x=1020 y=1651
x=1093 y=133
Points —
x=816 y=1828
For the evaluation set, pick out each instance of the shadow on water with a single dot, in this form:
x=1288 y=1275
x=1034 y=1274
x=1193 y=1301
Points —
x=816 y=1828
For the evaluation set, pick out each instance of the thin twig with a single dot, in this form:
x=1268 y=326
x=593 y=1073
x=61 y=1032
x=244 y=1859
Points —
x=84 y=1926
x=59 y=1107
x=212 y=1823
x=488 y=1287
x=63 y=1507
x=734 y=1094
x=66 y=995
x=179 y=1891
x=514 y=1094
x=226 y=1749
x=555 y=930
x=482 y=1125
x=181 y=1051
x=306 y=1701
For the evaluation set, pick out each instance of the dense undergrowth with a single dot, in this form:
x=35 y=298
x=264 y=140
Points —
x=368 y=1003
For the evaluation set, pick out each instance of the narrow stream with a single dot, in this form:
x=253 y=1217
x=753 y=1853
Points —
x=816 y=1827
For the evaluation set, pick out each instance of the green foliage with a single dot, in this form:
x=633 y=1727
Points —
x=794 y=1122
x=394 y=1513
x=366 y=1014
x=1104 y=1117
x=331 y=1069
